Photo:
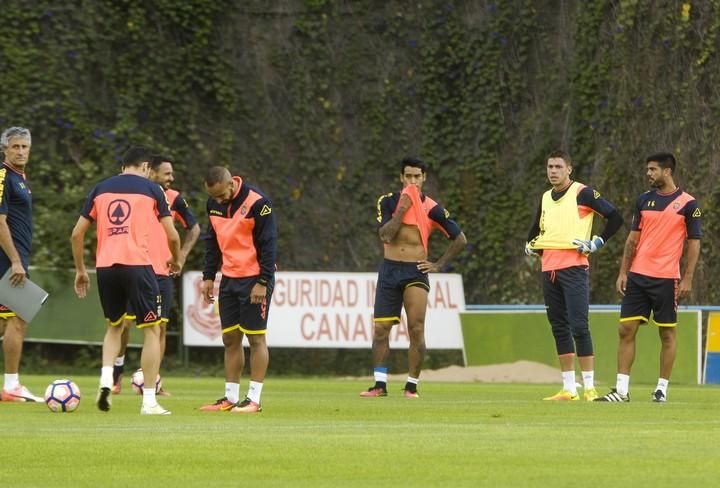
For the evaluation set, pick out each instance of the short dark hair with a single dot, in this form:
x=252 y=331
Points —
x=135 y=156
x=560 y=154
x=157 y=159
x=413 y=163
x=217 y=174
x=664 y=159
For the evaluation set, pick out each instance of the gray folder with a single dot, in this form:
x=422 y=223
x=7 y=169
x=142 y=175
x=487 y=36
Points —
x=25 y=300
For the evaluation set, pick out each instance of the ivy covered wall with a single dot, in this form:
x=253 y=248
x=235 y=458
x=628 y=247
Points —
x=316 y=101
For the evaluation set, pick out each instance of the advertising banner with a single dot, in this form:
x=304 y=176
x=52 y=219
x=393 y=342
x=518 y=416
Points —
x=328 y=310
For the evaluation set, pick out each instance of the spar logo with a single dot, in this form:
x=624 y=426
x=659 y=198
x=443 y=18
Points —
x=117 y=213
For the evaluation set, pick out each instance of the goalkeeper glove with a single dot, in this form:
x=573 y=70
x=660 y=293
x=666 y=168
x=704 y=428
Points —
x=529 y=251
x=588 y=247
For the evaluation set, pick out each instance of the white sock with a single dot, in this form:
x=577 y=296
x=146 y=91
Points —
x=569 y=382
x=11 y=381
x=232 y=392
x=120 y=361
x=380 y=374
x=662 y=385
x=412 y=380
x=106 y=377
x=623 y=384
x=149 y=399
x=588 y=379
x=254 y=391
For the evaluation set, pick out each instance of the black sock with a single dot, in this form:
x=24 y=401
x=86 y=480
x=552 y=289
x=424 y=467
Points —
x=411 y=387
x=380 y=384
x=117 y=371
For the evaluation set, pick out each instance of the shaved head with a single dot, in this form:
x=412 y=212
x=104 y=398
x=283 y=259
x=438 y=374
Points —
x=217 y=174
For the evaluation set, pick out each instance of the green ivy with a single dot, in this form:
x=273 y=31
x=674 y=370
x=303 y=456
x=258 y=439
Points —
x=316 y=101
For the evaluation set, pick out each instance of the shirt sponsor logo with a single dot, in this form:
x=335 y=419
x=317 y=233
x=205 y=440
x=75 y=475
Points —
x=216 y=212
x=118 y=211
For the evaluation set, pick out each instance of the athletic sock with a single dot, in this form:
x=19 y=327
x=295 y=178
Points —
x=569 y=382
x=381 y=376
x=118 y=368
x=588 y=379
x=106 y=377
x=149 y=399
x=662 y=385
x=11 y=381
x=254 y=391
x=411 y=384
x=232 y=392
x=623 y=384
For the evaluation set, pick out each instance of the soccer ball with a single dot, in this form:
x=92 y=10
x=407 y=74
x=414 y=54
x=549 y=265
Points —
x=138 y=382
x=62 y=396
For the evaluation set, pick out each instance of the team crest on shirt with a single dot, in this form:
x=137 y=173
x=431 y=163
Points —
x=243 y=210
x=676 y=205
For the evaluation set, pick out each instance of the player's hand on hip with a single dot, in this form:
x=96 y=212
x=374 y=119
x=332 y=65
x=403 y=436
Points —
x=428 y=267
x=590 y=246
x=17 y=275
x=529 y=251
x=621 y=284
x=258 y=293
x=82 y=284
x=206 y=290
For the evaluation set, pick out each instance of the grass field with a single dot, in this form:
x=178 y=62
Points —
x=318 y=432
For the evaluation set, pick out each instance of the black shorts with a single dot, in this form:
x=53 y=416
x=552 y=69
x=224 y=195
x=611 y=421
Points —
x=236 y=311
x=121 y=286
x=394 y=277
x=167 y=287
x=644 y=294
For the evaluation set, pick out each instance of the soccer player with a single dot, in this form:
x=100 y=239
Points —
x=161 y=172
x=15 y=241
x=125 y=207
x=242 y=235
x=649 y=277
x=405 y=220
x=561 y=233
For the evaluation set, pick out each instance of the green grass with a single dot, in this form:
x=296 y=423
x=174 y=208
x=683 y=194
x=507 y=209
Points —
x=319 y=432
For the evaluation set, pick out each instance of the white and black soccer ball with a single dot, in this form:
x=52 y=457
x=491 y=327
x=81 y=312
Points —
x=138 y=382
x=62 y=396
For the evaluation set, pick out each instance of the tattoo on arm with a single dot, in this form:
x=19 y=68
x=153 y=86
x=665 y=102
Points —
x=388 y=231
x=628 y=254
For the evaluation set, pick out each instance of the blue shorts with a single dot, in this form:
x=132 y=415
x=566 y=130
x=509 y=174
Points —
x=394 y=277
x=644 y=294
x=120 y=285
x=236 y=311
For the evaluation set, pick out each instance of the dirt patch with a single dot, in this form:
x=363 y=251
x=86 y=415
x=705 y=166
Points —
x=518 y=372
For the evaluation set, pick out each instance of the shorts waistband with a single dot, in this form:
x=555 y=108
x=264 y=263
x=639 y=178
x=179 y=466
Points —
x=412 y=264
